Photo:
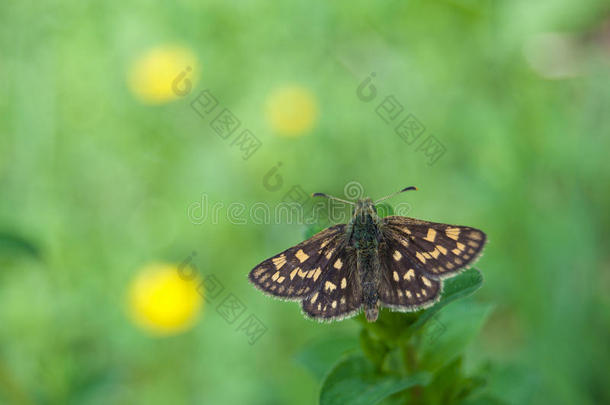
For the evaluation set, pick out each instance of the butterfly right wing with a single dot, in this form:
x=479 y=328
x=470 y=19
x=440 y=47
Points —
x=404 y=285
x=440 y=250
x=298 y=271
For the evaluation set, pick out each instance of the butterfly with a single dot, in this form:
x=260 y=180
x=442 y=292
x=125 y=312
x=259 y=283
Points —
x=395 y=262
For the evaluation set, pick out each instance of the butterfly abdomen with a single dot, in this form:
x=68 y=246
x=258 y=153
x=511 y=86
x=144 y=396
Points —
x=369 y=273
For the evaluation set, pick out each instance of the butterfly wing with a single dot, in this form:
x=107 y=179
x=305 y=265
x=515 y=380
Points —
x=404 y=285
x=339 y=295
x=437 y=250
x=297 y=272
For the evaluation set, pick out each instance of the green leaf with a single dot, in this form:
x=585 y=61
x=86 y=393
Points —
x=459 y=286
x=13 y=245
x=461 y=323
x=320 y=355
x=354 y=381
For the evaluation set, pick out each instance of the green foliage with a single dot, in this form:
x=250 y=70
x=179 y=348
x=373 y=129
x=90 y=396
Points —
x=100 y=184
x=405 y=357
x=13 y=246
x=355 y=381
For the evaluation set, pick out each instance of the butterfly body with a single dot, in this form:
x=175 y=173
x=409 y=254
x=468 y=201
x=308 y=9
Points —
x=364 y=235
x=396 y=262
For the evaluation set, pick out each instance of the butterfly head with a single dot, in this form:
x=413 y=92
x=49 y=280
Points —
x=365 y=207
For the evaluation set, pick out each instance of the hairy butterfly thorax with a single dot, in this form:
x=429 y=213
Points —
x=396 y=262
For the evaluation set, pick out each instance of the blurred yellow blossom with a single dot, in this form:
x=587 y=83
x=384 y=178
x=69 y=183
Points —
x=163 y=300
x=292 y=110
x=163 y=74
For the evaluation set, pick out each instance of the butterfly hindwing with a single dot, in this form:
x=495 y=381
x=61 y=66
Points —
x=439 y=250
x=295 y=273
x=338 y=296
x=404 y=286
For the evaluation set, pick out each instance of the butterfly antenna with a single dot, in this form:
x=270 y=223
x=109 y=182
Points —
x=330 y=197
x=393 y=194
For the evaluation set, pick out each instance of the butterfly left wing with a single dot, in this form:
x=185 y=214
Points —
x=339 y=295
x=297 y=272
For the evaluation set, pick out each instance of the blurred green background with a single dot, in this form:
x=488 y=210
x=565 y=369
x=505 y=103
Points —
x=98 y=169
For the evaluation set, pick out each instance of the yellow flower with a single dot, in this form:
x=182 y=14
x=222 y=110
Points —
x=163 y=300
x=163 y=74
x=292 y=110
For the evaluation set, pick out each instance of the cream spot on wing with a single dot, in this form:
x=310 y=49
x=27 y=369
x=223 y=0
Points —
x=343 y=282
x=420 y=257
x=449 y=265
x=431 y=235
x=334 y=304
x=329 y=286
x=293 y=273
x=275 y=276
x=408 y=294
x=427 y=255
x=435 y=253
x=319 y=306
x=397 y=256
x=441 y=249
x=453 y=233
x=418 y=295
x=466 y=257
x=395 y=274
x=338 y=264
x=281 y=289
x=279 y=261
x=473 y=243
x=310 y=273
x=273 y=287
x=456 y=251
x=290 y=290
x=281 y=279
x=302 y=273
x=470 y=251
x=302 y=256
x=342 y=300
x=314 y=298
x=406 y=230
x=426 y=281
x=264 y=277
x=316 y=274
x=325 y=243
x=329 y=254
x=258 y=272
x=399 y=293
x=475 y=235
x=460 y=246
x=458 y=261
x=409 y=274
x=423 y=292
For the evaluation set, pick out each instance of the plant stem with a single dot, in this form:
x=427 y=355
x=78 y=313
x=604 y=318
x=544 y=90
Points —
x=410 y=362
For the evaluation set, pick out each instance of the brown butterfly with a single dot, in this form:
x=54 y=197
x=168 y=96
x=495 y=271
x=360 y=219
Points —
x=395 y=262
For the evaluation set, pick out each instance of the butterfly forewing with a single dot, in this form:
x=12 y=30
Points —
x=439 y=250
x=339 y=294
x=296 y=273
x=404 y=285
